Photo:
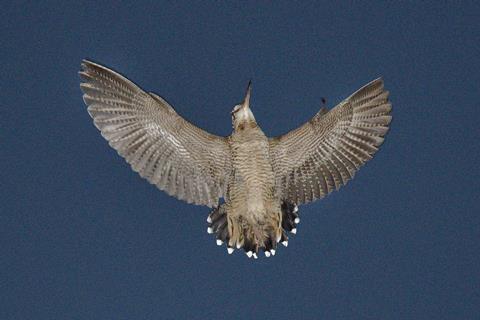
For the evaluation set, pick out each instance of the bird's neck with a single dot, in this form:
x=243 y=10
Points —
x=246 y=124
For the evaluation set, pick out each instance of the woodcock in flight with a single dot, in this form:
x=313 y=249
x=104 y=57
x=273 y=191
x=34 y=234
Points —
x=262 y=180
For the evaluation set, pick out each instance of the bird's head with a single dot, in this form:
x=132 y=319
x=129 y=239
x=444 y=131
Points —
x=242 y=116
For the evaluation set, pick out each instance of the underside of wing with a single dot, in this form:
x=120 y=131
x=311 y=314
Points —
x=324 y=153
x=164 y=148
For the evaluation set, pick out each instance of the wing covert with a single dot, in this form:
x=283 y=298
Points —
x=323 y=154
x=164 y=148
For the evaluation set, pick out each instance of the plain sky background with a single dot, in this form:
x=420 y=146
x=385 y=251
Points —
x=84 y=237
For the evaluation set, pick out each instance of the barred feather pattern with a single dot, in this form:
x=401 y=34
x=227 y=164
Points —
x=164 y=148
x=325 y=153
x=254 y=213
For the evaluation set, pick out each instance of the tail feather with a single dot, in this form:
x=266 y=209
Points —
x=290 y=217
x=217 y=223
x=290 y=220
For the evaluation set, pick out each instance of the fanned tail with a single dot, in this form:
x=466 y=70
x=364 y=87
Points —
x=218 y=225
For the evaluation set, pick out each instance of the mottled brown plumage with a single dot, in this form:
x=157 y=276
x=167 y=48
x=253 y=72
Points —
x=262 y=180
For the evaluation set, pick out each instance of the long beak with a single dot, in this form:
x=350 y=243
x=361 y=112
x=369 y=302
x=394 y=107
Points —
x=246 y=101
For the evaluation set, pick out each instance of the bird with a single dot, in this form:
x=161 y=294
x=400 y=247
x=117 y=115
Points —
x=253 y=184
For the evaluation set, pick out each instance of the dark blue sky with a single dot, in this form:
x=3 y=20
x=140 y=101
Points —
x=84 y=237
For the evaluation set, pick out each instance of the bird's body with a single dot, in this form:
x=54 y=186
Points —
x=252 y=203
x=261 y=179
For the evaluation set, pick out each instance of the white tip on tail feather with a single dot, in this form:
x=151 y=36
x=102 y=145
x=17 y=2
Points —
x=209 y=219
x=219 y=242
x=285 y=243
x=267 y=254
x=297 y=220
x=230 y=250
x=294 y=231
x=249 y=254
x=209 y=230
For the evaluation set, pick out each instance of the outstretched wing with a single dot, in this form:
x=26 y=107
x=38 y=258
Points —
x=167 y=150
x=324 y=153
